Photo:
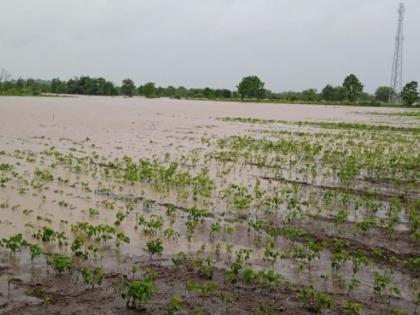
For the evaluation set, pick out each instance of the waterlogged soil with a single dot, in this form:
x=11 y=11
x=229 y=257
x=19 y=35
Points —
x=78 y=139
x=67 y=294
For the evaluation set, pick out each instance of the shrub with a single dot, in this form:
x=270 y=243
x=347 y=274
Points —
x=138 y=292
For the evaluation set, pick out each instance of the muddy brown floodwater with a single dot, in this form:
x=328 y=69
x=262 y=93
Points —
x=145 y=167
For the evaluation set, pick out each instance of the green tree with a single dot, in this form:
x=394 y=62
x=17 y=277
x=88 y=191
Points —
x=251 y=87
x=328 y=93
x=128 y=87
x=208 y=93
x=353 y=87
x=4 y=77
x=150 y=90
x=57 y=86
x=309 y=95
x=383 y=93
x=410 y=93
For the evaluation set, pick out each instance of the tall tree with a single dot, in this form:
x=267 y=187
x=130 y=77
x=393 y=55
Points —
x=150 y=90
x=57 y=86
x=251 y=87
x=4 y=76
x=410 y=94
x=309 y=95
x=128 y=87
x=328 y=93
x=353 y=87
x=383 y=93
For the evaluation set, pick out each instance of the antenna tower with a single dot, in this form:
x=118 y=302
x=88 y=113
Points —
x=397 y=64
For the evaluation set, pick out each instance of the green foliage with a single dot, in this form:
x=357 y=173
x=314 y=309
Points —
x=149 y=90
x=205 y=269
x=410 y=93
x=352 y=308
x=238 y=196
x=384 y=93
x=154 y=247
x=251 y=87
x=352 y=284
x=92 y=276
x=383 y=284
x=93 y=212
x=84 y=85
x=163 y=178
x=14 y=243
x=59 y=263
x=414 y=264
x=152 y=225
x=138 y=292
x=269 y=279
x=331 y=94
x=249 y=276
x=179 y=259
x=263 y=309
x=204 y=290
x=35 y=251
x=47 y=234
x=313 y=300
x=128 y=88
x=6 y=167
x=176 y=304
x=98 y=233
x=43 y=175
x=353 y=87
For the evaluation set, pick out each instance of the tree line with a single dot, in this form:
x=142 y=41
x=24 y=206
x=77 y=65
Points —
x=251 y=88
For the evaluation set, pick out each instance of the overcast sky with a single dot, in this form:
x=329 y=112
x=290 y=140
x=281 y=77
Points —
x=290 y=44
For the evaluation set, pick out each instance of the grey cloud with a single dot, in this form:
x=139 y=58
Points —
x=291 y=44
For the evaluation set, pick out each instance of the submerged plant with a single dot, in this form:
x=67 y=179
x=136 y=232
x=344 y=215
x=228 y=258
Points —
x=154 y=247
x=92 y=276
x=138 y=293
x=14 y=243
x=314 y=300
x=59 y=263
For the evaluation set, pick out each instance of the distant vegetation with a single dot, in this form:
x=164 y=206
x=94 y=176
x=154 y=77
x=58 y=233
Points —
x=250 y=88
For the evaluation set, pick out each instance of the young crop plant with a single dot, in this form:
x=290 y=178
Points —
x=215 y=229
x=238 y=197
x=6 y=167
x=154 y=247
x=35 y=251
x=383 y=285
x=14 y=243
x=176 y=304
x=205 y=269
x=93 y=212
x=92 y=276
x=249 y=276
x=314 y=300
x=43 y=175
x=352 y=308
x=179 y=259
x=47 y=234
x=59 y=263
x=203 y=289
x=352 y=284
x=138 y=293
x=269 y=279
x=170 y=234
x=152 y=226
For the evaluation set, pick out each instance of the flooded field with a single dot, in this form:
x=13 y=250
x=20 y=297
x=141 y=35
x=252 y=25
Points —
x=120 y=206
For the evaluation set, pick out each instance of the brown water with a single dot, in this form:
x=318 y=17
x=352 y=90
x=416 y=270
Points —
x=144 y=128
